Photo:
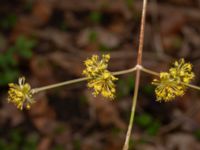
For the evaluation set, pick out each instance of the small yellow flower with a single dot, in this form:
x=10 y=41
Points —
x=20 y=94
x=94 y=66
x=101 y=80
x=182 y=71
x=167 y=89
x=171 y=84
x=103 y=84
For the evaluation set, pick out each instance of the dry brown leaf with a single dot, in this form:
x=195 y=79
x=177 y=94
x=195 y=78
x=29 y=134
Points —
x=172 y=24
x=42 y=70
x=70 y=64
x=10 y=113
x=104 y=37
x=150 y=147
x=42 y=116
x=45 y=144
x=56 y=37
x=105 y=111
x=182 y=141
x=92 y=142
x=42 y=10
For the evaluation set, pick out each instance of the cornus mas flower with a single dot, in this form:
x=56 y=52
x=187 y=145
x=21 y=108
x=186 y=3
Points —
x=20 y=94
x=167 y=89
x=103 y=84
x=100 y=79
x=182 y=71
x=94 y=66
x=171 y=84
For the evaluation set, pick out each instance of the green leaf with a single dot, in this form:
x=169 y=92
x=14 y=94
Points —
x=31 y=142
x=58 y=147
x=123 y=89
x=24 y=46
x=8 y=76
x=77 y=144
x=103 y=48
x=125 y=86
x=131 y=83
x=3 y=64
x=153 y=128
x=92 y=36
x=15 y=136
x=9 y=57
x=197 y=134
x=115 y=131
x=95 y=16
x=26 y=53
x=8 y=21
x=3 y=145
x=129 y=3
x=144 y=120
x=149 y=89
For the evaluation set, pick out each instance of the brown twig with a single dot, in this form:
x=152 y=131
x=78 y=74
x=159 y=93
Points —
x=139 y=63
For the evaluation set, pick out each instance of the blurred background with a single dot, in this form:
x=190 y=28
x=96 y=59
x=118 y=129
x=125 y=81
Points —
x=48 y=40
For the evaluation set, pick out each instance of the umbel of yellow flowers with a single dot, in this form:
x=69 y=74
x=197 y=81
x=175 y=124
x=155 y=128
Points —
x=100 y=79
x=20 y=94
x=171 y=84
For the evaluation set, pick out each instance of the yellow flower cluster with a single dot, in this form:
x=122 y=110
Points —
x=182 y=71
x=100 y=79
x=94 y=66
x=171 y=84
x=20 y=94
